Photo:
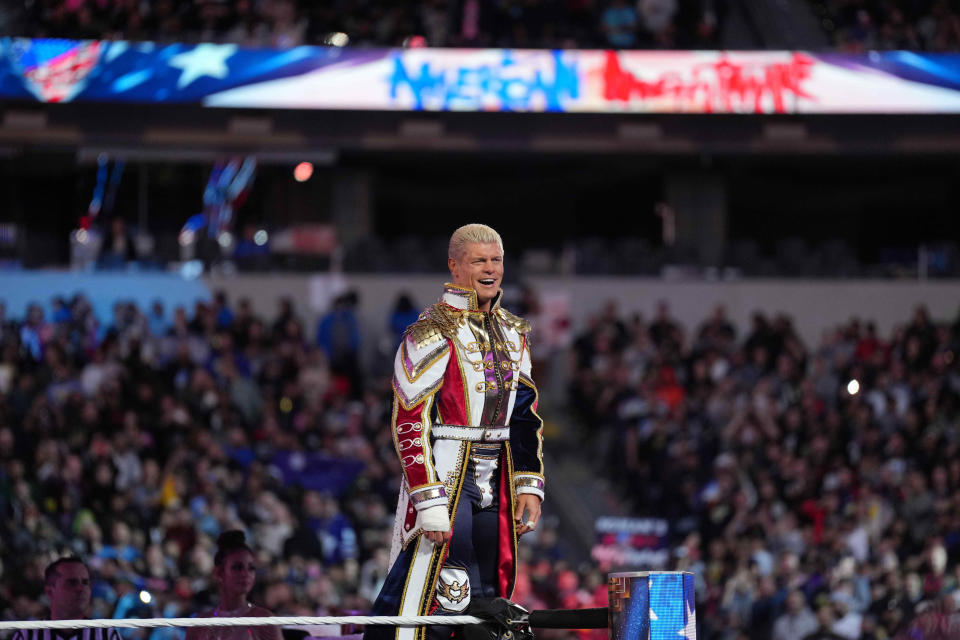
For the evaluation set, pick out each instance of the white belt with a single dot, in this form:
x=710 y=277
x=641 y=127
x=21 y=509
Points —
x=472 y=434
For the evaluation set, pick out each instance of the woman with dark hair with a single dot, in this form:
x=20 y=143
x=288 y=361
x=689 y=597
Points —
x=235 y=570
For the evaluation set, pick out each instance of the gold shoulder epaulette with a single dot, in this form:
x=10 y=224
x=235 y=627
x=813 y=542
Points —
x=436 y=323
x=447 y=318
x=516 y=322
x=423 y=332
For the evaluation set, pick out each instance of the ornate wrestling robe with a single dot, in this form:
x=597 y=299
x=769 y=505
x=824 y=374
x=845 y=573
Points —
x=463 y=399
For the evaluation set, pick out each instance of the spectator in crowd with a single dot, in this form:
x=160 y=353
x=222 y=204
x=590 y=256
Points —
x=658 y=19
x=403 y=315
x=118 y=246
x=253 y=248
x=338 y=335
x=235 y=570
x=797 y=621
x=825 y=622
x=157 y=320
x=619 y=23
x=338 y=541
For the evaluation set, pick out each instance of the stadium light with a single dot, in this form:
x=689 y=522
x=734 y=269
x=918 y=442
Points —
x=337 y=39
x=303 y=171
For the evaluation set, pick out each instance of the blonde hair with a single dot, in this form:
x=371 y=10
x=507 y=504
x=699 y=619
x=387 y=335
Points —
x=477 y=233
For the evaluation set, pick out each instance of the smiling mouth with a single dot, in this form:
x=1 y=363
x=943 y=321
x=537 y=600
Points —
x=487 y=281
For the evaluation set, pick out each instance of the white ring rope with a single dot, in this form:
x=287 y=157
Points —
x=139 y=623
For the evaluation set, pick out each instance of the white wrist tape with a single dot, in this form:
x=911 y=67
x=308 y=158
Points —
x=434 y=518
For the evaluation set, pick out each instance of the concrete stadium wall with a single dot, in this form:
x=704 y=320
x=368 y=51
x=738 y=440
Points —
x=19 y=289
x=815 y=305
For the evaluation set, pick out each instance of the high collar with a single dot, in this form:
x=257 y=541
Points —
x=465 y=298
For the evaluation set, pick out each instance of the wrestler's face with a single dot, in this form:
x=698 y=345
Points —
x=480 y=268
x=237 y=573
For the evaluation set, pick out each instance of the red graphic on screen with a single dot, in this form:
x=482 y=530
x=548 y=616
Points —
x=723 y=86
x=57 y=77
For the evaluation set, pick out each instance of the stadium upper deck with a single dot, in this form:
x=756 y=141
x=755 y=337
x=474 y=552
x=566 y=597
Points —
x=848 y=26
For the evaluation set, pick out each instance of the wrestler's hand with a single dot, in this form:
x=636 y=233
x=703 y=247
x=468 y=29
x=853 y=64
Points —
x=436 y=524
x=437 y=537
x=529 y=503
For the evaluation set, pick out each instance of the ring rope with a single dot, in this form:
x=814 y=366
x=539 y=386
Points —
x=260 y=621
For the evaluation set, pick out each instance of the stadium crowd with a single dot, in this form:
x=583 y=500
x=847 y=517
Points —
x=853 y=26
x=134 y=445
x=438 y=23
x=857 y=26
x=801 y=499
x=807 y=487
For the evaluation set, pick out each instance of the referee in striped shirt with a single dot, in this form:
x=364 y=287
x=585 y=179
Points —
x=67 y=585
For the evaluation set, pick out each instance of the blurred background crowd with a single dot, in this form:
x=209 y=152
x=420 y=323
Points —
x=850 y=25
x=135 y=444
x=440 y=23
x=807 y=486
x=859 y=26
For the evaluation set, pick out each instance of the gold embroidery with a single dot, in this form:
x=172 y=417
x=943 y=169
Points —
x=445 y=318
x=525 y=379
x=428 y=361
x=476 y=347
x=409 y=403
x=454 y=592
x=463 y=292
x=536 y=400
x=516 y=323
x=438 y=321
x=508 y=385
x=440 y=551
x=423 y=332
x=454 y=474
x=451 y=479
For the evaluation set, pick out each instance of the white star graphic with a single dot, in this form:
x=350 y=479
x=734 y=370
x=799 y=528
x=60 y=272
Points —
x=690 y=630
x=115 y=49
x=653 y=616
x=203 y=60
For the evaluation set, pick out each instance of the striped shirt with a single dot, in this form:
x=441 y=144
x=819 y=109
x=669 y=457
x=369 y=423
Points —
x=67 y=634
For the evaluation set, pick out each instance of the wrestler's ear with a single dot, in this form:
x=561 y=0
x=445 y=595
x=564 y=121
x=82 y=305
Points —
x=452 y=265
